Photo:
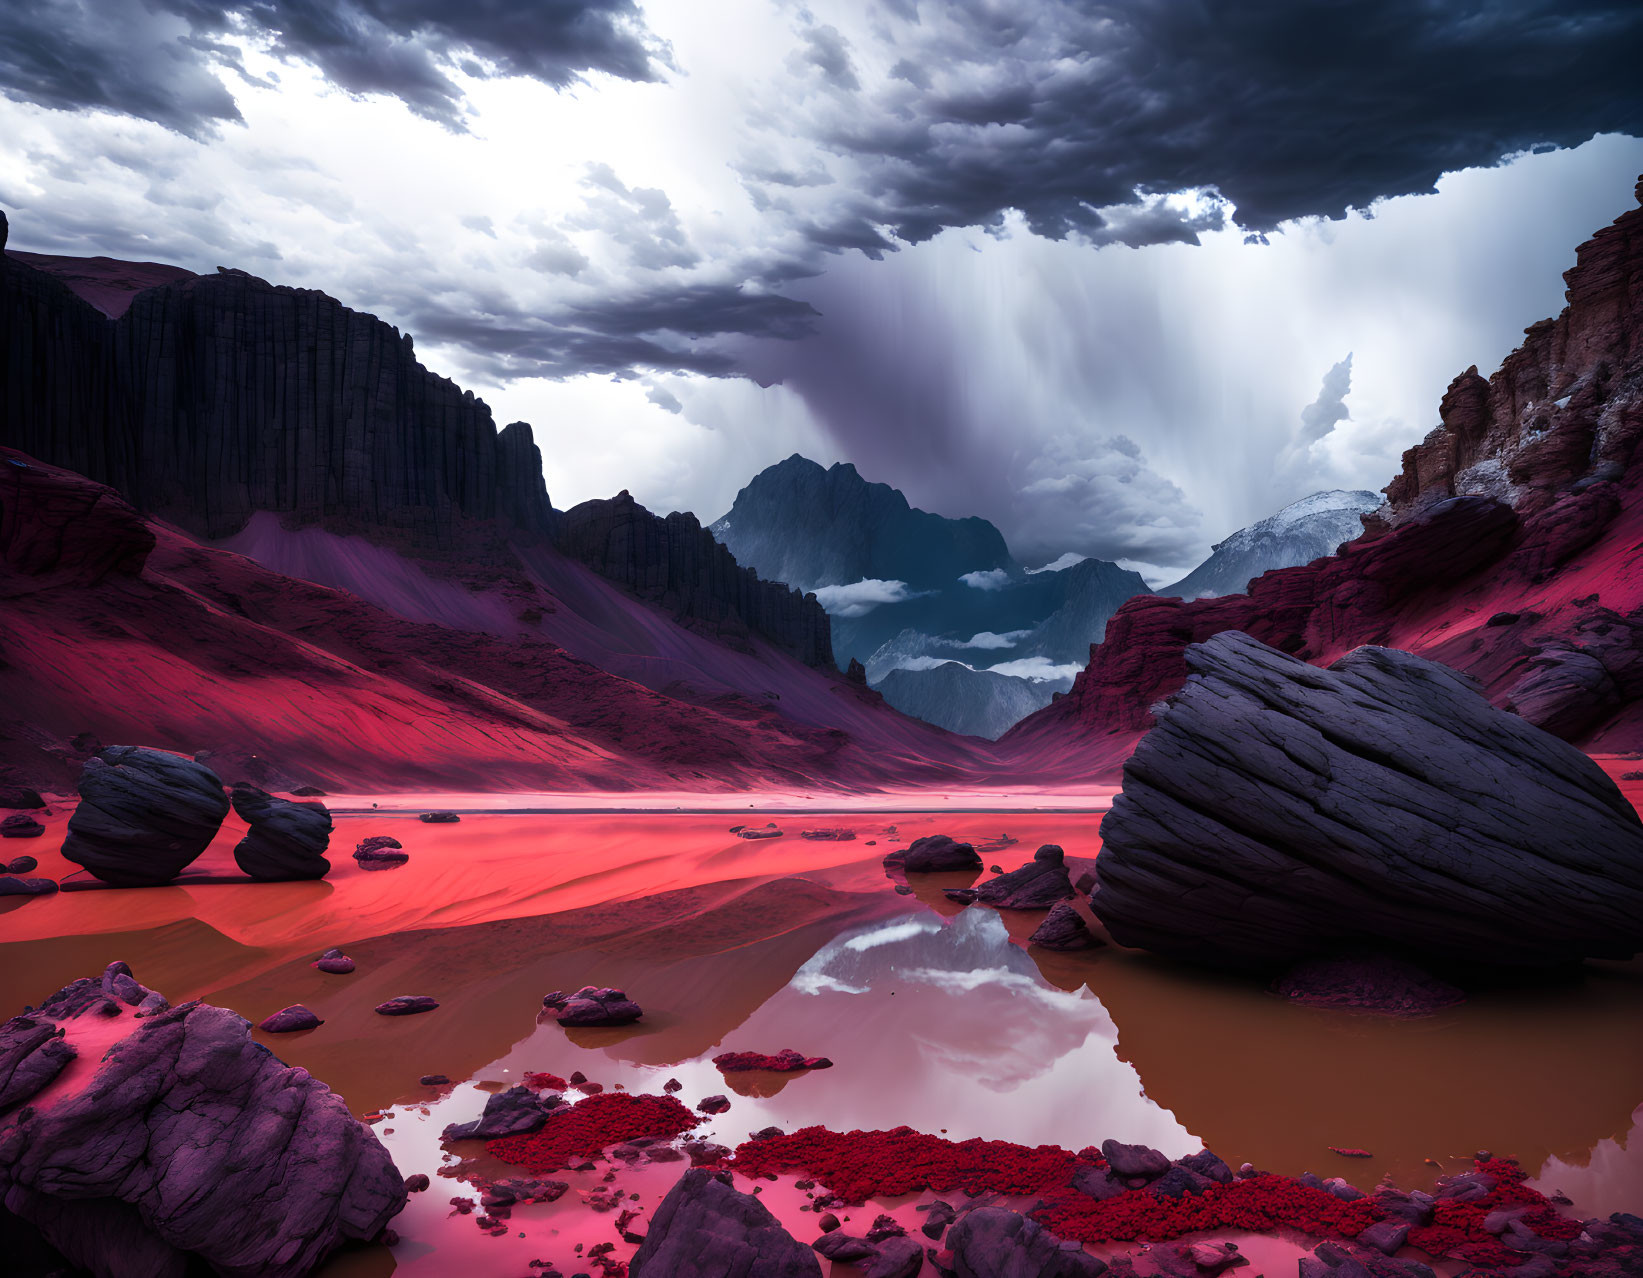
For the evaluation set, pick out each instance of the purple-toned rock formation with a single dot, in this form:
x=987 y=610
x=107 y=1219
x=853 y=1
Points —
x=705 y=1227
x=143 y=815
x=191 y=1144
x=1280 y=810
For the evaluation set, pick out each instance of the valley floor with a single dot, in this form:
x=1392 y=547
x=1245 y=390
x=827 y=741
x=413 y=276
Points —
x=936 y=1016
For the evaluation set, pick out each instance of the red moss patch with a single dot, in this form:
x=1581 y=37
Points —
x=590 y=1126
x=1259 y=1204
x=1457 y=1228
x=785 y=1061
x=858 y=1165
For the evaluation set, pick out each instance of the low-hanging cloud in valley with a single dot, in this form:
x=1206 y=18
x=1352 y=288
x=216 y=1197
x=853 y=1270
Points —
x=860 y=598
x=986 y=579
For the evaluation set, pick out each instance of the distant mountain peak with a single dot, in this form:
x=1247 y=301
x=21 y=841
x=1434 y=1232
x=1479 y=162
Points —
x=1302 y=531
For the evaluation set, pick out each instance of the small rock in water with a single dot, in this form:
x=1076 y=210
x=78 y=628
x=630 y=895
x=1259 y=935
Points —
x=1038 y=885
x=406 y=1005
x=784 y=1061
x=593 y=1006
x=1064 y=930
x=439 y=818
x=829 y=835
x=11 y=885
x=335 y=962
x=903 y=889
x=713 y=1104
x=20 y=825
x=1349 y=1152
x=380 y=852
x=21 y=865
x=763 y=832
x=290 y=1020
x=934 y=853
x=417 y=1183
x=433 y=1080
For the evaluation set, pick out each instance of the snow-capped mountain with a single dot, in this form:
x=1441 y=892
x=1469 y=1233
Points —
x=1302 y=531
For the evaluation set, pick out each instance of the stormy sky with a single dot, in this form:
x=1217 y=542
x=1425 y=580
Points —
x=1120 y=277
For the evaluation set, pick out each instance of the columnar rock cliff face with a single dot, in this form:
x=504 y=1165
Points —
x=57 y=374
x=1506 y=547
x=674 y=562
x=211 y=398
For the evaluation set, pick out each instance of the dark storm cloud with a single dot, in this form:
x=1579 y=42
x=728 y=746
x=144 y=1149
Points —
x=1288 y=109
x=675 y=328
x=157 y=59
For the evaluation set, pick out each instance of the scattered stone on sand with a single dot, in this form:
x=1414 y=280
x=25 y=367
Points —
x=406 y=1005
x=439 y=818
x=933 y=854
x=713 y=1104
x=704 y=1226
x=893 y=1256
x=18 y=796
x=13 y=885
x=1349 y=1152
x=335 y=962
x=433 y=1080
x=592 y=1006
x=286 y=841
x=290 y=1020
x=903 y=889
x=1380 y=803
x=143 y=815
x=191 y=1145
x=20 y=825
x=784 y=1061
x=990 y=1242
x=1038 y=885
x=833 y=835
x=1367 y=983
x=380 y=852
x=1385 y=1236
x=22 y=865
x=508 y=1113
x=760 y=832
x=1064 y=930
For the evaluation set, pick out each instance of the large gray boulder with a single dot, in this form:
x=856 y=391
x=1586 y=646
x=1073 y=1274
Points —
x=286 y=840
x=994 y=1242
x=704 y=1228
x=143 y=815
x=1280 y=810
x=190 y=1140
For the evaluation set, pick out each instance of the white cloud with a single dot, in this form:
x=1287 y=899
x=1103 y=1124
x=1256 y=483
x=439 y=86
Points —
x=989 y=639
x=861 y=597
x=990 y=579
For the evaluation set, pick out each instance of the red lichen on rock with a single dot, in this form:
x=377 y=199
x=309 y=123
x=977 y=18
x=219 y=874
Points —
x=590 y=1126
x=542 y=1080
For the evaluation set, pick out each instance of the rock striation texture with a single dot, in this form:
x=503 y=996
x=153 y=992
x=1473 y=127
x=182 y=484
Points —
x=143 y=815
x=1502 y=549
x=704 y=1228
x=286 y=840
x=191 y=1143
x=1280 y=810
x=675 y=564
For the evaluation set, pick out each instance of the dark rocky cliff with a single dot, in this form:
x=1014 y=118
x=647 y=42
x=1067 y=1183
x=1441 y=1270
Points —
x=214 y=397
x=675 y=563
